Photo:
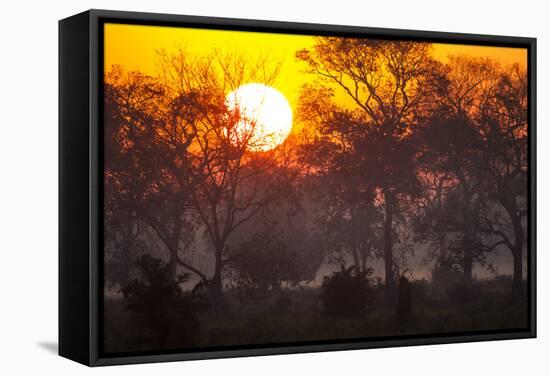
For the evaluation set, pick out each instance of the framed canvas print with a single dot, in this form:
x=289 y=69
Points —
x=239 y=187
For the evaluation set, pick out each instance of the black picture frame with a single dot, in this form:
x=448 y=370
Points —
x=80 y=184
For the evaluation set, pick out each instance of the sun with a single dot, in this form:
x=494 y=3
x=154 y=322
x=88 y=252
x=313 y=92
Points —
x=265 y=116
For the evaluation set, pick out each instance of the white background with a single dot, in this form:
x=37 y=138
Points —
x=28 y=186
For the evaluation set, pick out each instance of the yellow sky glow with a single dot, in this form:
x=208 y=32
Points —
x=134 y=47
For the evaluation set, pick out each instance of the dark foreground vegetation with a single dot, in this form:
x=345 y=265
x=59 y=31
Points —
x=166 y=318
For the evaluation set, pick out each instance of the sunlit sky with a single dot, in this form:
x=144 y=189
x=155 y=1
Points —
x=135 y=47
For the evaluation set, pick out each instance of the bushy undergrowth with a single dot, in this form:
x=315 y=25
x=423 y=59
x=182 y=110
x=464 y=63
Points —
x=159 y=311
x=345 y=293
x=299 y=314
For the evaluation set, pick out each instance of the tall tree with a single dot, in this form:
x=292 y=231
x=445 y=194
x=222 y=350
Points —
x=348 y=222
x=453 y=147
x=451 y=154
x=504 y=122
x=231 y=183
x=126 y=103
x=147 y=122
x=390 y=84
x=195 y=160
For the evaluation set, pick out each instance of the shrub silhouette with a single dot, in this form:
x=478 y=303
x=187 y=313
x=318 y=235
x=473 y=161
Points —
x=345 y=294
x=160 y=311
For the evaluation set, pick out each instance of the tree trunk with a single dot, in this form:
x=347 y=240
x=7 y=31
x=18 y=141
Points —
x=517 y=252
x=517 y=286
x=174 y=239
x=388 y=246
x=467 y=266
x=127 y=252
x=364 y=256
x=356 y=262
x=215 y=286
x=125 y=264
x=172 y=267
x=217 y=278
x=443 y=256
x=470 y=221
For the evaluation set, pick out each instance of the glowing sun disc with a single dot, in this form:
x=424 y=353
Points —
x=266 y=116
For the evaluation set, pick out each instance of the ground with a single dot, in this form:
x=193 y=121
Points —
x=297 y=315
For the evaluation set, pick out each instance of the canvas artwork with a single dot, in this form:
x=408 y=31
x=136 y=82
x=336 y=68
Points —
x=268 y=189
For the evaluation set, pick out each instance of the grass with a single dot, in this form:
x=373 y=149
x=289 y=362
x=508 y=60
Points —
x=297 y=315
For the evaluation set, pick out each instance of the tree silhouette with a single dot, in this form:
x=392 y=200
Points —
x=504 y=125
x=264 y=261
x=454 y=147
x=452 y=154
x=230 y=184
x=147 y=124
x=127 y=98
x=396 y=159
x=195 y=162
x=391 y=84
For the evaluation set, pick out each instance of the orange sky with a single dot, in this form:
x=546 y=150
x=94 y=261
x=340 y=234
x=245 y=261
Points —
x=134 y=48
